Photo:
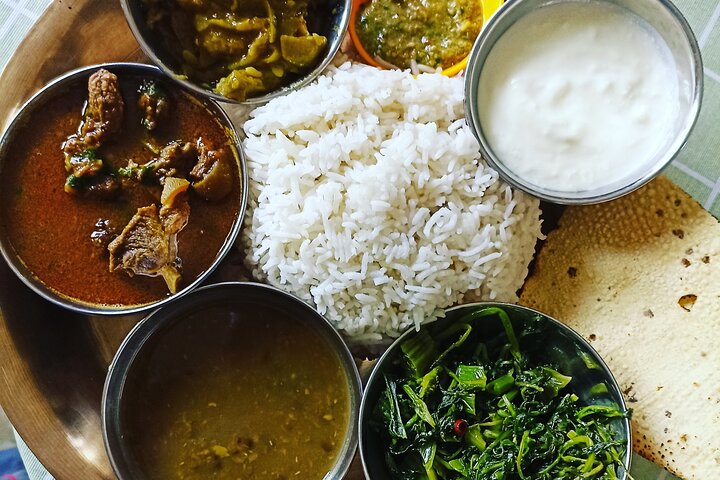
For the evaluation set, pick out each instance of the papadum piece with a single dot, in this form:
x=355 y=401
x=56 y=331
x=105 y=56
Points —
x=639 y=277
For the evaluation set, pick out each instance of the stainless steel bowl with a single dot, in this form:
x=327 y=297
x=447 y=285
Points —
x=559 y=345
x=664 y=17
x=36 y=104
x=238 y=299
x=334 y=20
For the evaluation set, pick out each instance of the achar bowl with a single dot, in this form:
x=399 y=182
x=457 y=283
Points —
x=556 y=344
x=489 y=7
x=35 y=105
x=147 y=347
x=325 y=17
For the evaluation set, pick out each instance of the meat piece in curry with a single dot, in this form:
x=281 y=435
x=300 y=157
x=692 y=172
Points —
x=175 y=210
x=143 y=248
x=148 y=244
x=117 y=196
x=174 y=158
x=105 y=107
x=103 y=117
x=153 y=103
x=212 y=175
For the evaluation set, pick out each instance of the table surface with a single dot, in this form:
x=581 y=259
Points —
x=696 y=169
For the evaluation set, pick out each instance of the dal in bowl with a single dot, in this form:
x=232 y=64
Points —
x=232 y=381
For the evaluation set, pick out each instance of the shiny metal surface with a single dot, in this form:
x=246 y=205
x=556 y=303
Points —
x=236 y=295
x=52 y=372
x=660 y=14
x=35 y=104
x=53 y=361
x=334 y=28
x=567 y=345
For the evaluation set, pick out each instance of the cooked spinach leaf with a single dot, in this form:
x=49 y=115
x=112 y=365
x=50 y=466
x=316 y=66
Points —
x=461 y=409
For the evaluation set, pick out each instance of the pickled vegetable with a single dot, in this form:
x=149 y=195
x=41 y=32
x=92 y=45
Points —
x=237 y=49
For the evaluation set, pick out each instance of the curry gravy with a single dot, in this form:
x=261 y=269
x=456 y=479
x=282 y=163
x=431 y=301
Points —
x=239 y=391
x=50 y=230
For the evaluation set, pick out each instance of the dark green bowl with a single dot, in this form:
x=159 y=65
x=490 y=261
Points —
x=557 y=344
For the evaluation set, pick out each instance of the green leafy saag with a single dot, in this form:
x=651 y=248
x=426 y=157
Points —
x=460 y=413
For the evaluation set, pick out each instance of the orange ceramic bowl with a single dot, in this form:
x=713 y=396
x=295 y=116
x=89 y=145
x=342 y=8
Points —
x=489 y=7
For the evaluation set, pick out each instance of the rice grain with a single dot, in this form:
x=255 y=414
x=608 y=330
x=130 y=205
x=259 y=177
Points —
x=369 y=200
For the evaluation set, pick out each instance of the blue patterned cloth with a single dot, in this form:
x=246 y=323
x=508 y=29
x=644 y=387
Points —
x=11 y=465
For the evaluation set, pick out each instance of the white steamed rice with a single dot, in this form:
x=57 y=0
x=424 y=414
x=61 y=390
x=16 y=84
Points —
x=369 y=200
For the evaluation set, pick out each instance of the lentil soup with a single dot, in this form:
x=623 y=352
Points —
x=236 y=391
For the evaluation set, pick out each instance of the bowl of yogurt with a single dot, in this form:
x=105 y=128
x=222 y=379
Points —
x=583 y=101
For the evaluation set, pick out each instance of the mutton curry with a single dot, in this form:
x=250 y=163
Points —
x=120 y=191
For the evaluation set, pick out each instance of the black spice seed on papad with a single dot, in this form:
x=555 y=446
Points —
x=647 y=290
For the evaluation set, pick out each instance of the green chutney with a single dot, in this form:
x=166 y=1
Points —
x=436 y=33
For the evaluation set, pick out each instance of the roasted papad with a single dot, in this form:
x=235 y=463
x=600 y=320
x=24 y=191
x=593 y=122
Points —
x=639 y=277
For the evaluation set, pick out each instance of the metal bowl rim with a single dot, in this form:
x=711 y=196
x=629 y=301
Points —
x=75 y=305
x=342 y=27
x=392 y=351
x=474 y=71
x=148 y=326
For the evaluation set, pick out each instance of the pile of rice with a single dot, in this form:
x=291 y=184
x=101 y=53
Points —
x=369 y=200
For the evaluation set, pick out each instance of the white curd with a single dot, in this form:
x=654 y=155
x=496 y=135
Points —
x=579 y=95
